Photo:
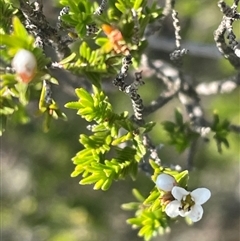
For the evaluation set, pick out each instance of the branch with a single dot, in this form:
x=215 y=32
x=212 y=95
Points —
x=218 y=87
x=131 y=89
x=38 y=25
x=231 y=51
x=177 y=55
x=235 y=128
x=145 y=165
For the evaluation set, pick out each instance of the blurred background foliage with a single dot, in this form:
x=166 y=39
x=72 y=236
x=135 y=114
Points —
x=40 y=201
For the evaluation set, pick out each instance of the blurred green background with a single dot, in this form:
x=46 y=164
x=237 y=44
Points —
x=40 y=201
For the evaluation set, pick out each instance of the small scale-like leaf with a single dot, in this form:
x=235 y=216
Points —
x=120 y=7
x=137 y=4
x=152 y=197
x=215 y=121
x=82 y=93
x=106 y=185
x=81 y=7
x=148 y=126
x=178 y=117
x=182 y=178
x=83 y=50
x=68 y=59
x=120 y=140
x=19 y=29
x=225 y=124
x=144 y=232
x=156 y=205
x=73 y=105
x=73 y=6
x=169 y=126
x=138 y=195
x=135 y=221
x=99 y=184
x=101 y=41
x=75 y=173
x=14 y=42
x=69 y=20
x=130 y=206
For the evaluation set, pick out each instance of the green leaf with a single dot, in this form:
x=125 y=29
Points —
x=225 y=124
x=98 y=184
x=130 y=206
x=137 y=4
x=178 y=117
x=13 y=42
x=154 y=195
x=106 y=185
x=215 y=121
x=169 y=126
x=122 y=139
x=182 y=178
x=19 y=29
x=68 y=59
x=225 y=142
x=101 y=41
x=83 y=94
x=73 y=7
x=81 y=7
x=73 y=105
x=148 y=126
x=83 y=50
x=138 y=195
x=120 y=7
x=68 y=19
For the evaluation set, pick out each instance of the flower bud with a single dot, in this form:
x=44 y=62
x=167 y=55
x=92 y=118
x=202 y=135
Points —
x=25 y=65
x=165 y=182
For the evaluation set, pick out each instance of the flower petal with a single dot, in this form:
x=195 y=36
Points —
x=165 y=182
x=172 y=209
x=184 y=213
x=201 y=195
x=179 y=193
x=196 y=213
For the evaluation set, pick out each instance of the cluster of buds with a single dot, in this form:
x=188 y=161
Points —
x=179 y=201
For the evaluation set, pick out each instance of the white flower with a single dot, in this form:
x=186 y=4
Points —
x=25 y=64
x=187 y=203
x=165 y=182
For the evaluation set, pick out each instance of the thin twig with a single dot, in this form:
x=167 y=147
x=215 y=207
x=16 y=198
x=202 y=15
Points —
x=228 y=51
x=218 y=87
x=42 y=29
